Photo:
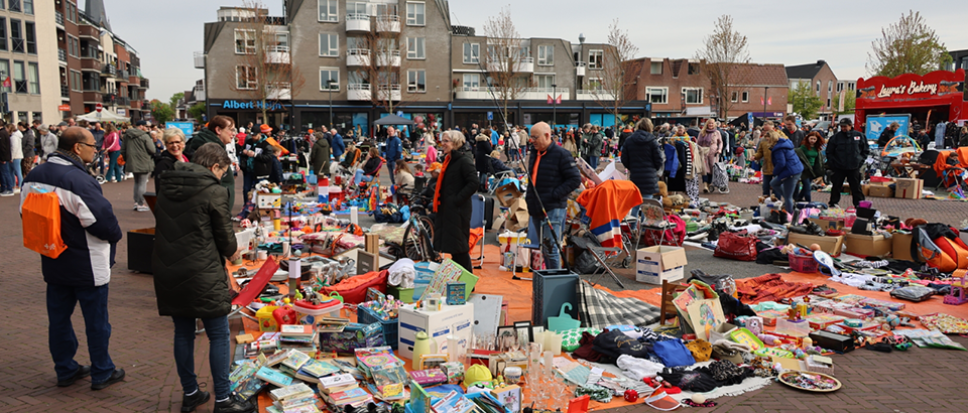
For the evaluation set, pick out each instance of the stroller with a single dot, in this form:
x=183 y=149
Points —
x=96 y=167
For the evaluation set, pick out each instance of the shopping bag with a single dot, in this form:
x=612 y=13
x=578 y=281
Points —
x=736 y=247
x=40 y=215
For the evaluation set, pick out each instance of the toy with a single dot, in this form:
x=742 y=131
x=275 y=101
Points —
x=631 y=396
x=957 y=294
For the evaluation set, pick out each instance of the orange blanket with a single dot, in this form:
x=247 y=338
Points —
x=606 y=205
x=770 y=287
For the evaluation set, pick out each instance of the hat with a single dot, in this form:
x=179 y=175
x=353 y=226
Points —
x=62 y=124
x=310 y=132
x=265 y=128
x=434 y=167
x=660 y=400
x=141 y=123
x=846 y=121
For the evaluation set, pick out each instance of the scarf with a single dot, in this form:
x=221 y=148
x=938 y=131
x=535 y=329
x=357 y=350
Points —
x=72 y=155
x=440 y=180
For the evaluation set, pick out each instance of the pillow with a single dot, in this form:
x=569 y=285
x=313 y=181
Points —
x=673 y=353
x=570 y=338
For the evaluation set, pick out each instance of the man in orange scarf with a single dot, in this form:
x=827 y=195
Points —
x=553 y=176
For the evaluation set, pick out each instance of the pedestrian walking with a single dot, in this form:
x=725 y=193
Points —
x=711 y=143
x=813 y=165
x=394 y=151
x=319 y=155
x=27 y=143
x=846 y=153
x=454 y=188
x=138 y=151
x=48 y=141
x=112 y=145
x=644 y=159
x=786 y=171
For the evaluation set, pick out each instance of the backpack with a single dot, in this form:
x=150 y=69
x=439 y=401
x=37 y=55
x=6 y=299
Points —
x=40 y=215
x=940 y=247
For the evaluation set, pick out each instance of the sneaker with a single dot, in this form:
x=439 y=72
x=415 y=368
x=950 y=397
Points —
x=189 y=403
x=234 y=405
x=8 y=193
x=16 y=190
x=142 y=208
x=115 y=377
x=82 y=372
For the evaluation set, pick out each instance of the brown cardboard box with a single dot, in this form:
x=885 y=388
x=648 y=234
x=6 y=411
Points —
x=868 y=245
x=507 y=193
x=518 y=215
x=901 y=246
x=830 y=245
x=826 y=224
x=909 y=188
x=881 y=190
x=864 y=189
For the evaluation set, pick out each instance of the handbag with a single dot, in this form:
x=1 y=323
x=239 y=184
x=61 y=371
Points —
x=736 y=247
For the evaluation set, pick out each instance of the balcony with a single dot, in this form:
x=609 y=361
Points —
x=62 y=56
x=277 y=55
x=523 y=65
x=358 y=92
x=388 y=23
x=110 y=70
x=144 y=83
x=533 y=93
x=357 y=57
x=580 y=68
x=123 y=75
x=388 y=59
x=281 y=91
x=388 y=91
x=199 y=60
x=122 y=101
x=89 y=33
x=59 y=19
x=65 y=92
x=357 y=22
x=596 y=94
x=136 y=104
x=92 y=97
x=90 y=64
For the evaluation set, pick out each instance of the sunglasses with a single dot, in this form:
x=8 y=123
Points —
x=88 y=144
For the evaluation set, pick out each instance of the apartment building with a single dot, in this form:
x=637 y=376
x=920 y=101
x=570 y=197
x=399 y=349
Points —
x=26 y=59
x=820 y=79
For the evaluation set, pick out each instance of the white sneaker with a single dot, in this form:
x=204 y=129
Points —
x=16 y=190
x=142 y=208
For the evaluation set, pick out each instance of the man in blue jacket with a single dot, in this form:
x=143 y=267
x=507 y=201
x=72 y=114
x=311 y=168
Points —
x=337 y=146
x=81 y=273
x=394 y=151
x=554 y=176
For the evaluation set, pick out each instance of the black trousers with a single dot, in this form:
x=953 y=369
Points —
x=837 y=182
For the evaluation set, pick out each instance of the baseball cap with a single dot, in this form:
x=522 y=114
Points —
x=141 y=123
x=434 y=167
x=265 y=128
x=846 y=121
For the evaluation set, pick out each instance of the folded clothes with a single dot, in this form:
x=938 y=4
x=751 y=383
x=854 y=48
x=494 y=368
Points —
x=770 y=287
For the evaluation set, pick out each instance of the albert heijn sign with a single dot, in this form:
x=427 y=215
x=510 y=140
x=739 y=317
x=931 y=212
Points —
x=251 y=105
x=941 y=85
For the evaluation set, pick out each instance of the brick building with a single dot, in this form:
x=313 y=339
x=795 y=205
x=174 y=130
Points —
x=821 y=80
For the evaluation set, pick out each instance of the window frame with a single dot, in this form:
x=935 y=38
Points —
x=653 y=65
x=334 y=18
x=245 y=39
x=16 y=23
x=420 y=44
x=329 y=46
x=76 y=83
x=33 y=70
x=22 y=79
x=422 y=15
x=664 y=94
x=3 y=33
x=702 y=97
x=471 y=47
x=548 y=53
x=28 y=4
x=413 y=81
x=465 y=78
x=30 y=37
x=746 y=96
x=251 y=83
x=5 y=64
x=733 y=96
x=323 y=87
x=600 y=62
x=19 y=8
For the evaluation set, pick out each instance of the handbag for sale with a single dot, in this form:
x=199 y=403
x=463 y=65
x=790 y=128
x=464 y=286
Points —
x=736 y=247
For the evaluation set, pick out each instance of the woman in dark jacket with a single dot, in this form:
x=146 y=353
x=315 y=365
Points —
x=193 y=237
x=644 y=157
x=811 y=157
x=373 y=164
x=174 y=141
x=452 y=200
x=482 y=161
x=786 y=171
x=320 y=154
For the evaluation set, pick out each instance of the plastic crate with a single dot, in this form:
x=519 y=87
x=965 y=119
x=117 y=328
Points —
x=803 y=263
x=550 y=289
x=390 y=327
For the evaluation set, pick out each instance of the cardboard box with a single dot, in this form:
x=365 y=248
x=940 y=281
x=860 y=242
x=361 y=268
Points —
x=826 y=224
x=830 y=245
x=456 y=320
x=868 y=245
x=517 y=215
x=864 y=189
x=909 y=188
x=507 y=193
x=901 y=246
x=881 y=190
x=661 y=262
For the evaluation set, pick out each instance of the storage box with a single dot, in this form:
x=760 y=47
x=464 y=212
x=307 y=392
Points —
x=909 y=188
x=881 y=190
x=402 y=294
x=836 y=342
x=658 y=263
x=901 y=246
x=456 y=320
x=868 y=245
x=507 y=193
x=830 y=245
x=549 y=290
x=141 y=244
x=826 y=224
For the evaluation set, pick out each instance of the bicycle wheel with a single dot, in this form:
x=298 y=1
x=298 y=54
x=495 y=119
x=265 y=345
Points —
x=418 y=240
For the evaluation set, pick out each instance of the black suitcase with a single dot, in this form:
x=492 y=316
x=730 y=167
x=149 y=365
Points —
x=488 y=212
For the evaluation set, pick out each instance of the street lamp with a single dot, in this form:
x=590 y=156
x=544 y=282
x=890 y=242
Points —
x=329 y=86
x=554 y=102
x=766 y=93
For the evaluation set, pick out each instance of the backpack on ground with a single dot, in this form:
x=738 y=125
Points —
x=939 y=246
x=40 y=215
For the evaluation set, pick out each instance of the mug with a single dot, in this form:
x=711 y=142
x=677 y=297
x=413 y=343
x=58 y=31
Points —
x=263 y=255
x=512 y=375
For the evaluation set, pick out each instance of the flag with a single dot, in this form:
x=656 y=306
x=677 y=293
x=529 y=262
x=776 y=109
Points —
x=558 y=100
x=6 y=82
x=549 y=99
x=769 y=100
x=761 y=100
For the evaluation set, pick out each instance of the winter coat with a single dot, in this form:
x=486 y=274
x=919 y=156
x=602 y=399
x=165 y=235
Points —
x=557 y=177
x=111 y=142
x=205 y=136
x=193 y=237
x=98 y=136
x=497 y=166
x=847 y=150
x=796 y=137
x=165 y=163
x=765 y=156
x=394 y=149
x=644 y=158
x=592 y=143
x=814 y=171
x=48 y=143
x=372 y=166
x=453 y=222
x=714 y=141
x=319 y=156
x=28 y=143
x=5 y=151
x=786 y=163
x=885 y=137
x=569 y=145
x=482 y=153
x=88 y=225
x=16 y=145
x=138 y=151
x=337 y=147
x=405 y=181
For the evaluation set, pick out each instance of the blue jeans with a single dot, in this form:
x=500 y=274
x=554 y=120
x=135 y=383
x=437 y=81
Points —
x=552 y=256
x=61 y=300
x=114 y=170
x=361 y=177
x=635 y=210
x=766 y=184
x=784 y=188
x=391 y=165
x=17 y=172
x=803 y=191
x=219 y=360
x=6 y=177
x=593 y=160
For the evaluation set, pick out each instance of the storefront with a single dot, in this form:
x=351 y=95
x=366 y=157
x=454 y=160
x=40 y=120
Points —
x=246 y=111
x=936 y=96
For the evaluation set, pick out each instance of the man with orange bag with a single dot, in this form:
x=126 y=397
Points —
x=80 y=273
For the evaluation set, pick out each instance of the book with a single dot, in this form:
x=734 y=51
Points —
x=348 y=396
x=293 y=403
x=320 y=368
x=274 y=377
x=429 y=377
x=297 y=390
x=291 y=330
x=339 y=380
x=296 y=360
x=277 y=357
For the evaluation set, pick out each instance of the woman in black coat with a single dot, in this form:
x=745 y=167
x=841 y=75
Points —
x=644 y=158
x=452 y=200
x=193 y=238
x=482 y=158
x=174 y=141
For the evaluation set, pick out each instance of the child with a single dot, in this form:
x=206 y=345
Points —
x=275 y=175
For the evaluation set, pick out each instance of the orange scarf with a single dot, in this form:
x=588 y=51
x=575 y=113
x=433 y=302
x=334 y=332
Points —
x=534 y=169
x=440 y=180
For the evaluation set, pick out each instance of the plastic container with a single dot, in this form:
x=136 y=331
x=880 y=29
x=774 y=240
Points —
x=391 y=327
x=551 y=289
x=803 y=263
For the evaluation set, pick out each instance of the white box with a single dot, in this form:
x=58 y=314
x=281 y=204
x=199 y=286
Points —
x=658 y=263
x=456 y=320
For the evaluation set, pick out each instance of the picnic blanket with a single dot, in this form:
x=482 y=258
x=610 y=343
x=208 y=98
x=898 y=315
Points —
x=600 y=309
x=606 y=205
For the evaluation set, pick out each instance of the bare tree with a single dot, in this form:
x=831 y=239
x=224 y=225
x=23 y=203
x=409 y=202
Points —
x=264 y=70
x=611 y=90
x=908 y=46
x=722 y=51
x=503 y=59
x=384 y=66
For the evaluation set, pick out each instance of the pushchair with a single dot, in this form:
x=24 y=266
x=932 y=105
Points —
x=96 y=167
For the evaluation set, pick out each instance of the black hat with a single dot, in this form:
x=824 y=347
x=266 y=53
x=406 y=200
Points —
x=846 y=121
x=141 y=123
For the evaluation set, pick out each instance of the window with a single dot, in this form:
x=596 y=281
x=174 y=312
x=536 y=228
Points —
x=840 y=87
x=472 y=53
x=546 y=55
x=415 y=48
x=656 y=68
x=5 y=69
x=16 y=36
x=73 y=46
x=830 y=88
x=595 y=59
x=658 y=95
x=356 y=8
x=693 y=95
x=244 y=41
x=746 y=97
x=19 y=77
x=31 y=37
x=964 y=63
x=71 y=11
x=693 y=68
x=37 y=117
x=3 y=33
x=28 y=6
x=245 y=77
x=356 y=78
x=594 y=83
x=733 y=97
x=415 y=14
x=326 y=75
x=417 y=81
x=13 y=5
x=33 y=78
x=75 y=81
x=328 y=44
x=356 y=43
x=1 y=5
x=818 y=88
x=472 y=80
x=544 y=81
x=328 y=10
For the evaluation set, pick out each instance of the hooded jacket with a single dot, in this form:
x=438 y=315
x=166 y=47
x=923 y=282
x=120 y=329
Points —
x=48 y=143
x=138 y=151
x=482 y=153
x=644 y=158
x=786 y=163
x=394 y=149
x=205 y=136
x=847 y=150
x=193 y=236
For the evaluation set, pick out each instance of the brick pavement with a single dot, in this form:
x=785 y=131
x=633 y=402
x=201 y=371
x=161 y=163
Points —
x=922 y=380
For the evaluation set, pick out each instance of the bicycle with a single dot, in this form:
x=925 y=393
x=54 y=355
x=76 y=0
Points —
x=418 y=236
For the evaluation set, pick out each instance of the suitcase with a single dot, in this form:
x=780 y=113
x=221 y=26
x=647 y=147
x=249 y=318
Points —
x=488 y=211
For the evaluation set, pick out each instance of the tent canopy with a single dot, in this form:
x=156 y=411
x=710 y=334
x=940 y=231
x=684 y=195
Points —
x=106 y=116
x=394 y=120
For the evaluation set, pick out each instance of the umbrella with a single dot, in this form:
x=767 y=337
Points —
x=394 y=120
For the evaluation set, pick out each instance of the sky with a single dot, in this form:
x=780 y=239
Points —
x=167 y=33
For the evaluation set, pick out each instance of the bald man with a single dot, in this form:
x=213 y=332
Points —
x=553 y=176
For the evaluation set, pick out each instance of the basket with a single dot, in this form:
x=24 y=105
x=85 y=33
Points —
x=803 y=263
x=391 y=330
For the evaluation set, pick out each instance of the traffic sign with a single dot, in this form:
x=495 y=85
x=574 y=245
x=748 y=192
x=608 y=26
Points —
x=490 y=115
x=98 y=107
x=64 y=108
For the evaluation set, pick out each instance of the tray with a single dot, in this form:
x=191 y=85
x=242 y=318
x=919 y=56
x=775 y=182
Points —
x=788 y=379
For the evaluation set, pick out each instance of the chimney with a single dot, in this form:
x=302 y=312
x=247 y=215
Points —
x=821 y=63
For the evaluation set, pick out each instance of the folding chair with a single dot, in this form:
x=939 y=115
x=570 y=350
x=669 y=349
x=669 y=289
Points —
x=253 y=288
x=479 y=221
x=651 y=217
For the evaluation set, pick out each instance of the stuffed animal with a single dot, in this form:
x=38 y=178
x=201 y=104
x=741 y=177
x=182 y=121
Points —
x=670 y=202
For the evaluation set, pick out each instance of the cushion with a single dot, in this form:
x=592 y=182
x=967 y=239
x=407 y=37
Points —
x=570 y=338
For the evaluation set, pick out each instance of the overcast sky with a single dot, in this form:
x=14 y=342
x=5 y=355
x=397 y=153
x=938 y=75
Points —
x=166 y=33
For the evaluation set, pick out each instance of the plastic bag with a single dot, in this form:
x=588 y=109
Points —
x=42 y=224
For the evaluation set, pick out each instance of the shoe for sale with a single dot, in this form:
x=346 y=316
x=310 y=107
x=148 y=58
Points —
x=705 y=188
x=189 y=403
x=82 y=372
x=234 y=405
x=116 y=376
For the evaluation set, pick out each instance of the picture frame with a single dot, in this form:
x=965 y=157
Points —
x=524 y=331
x=506 y=339
x=366 y=262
